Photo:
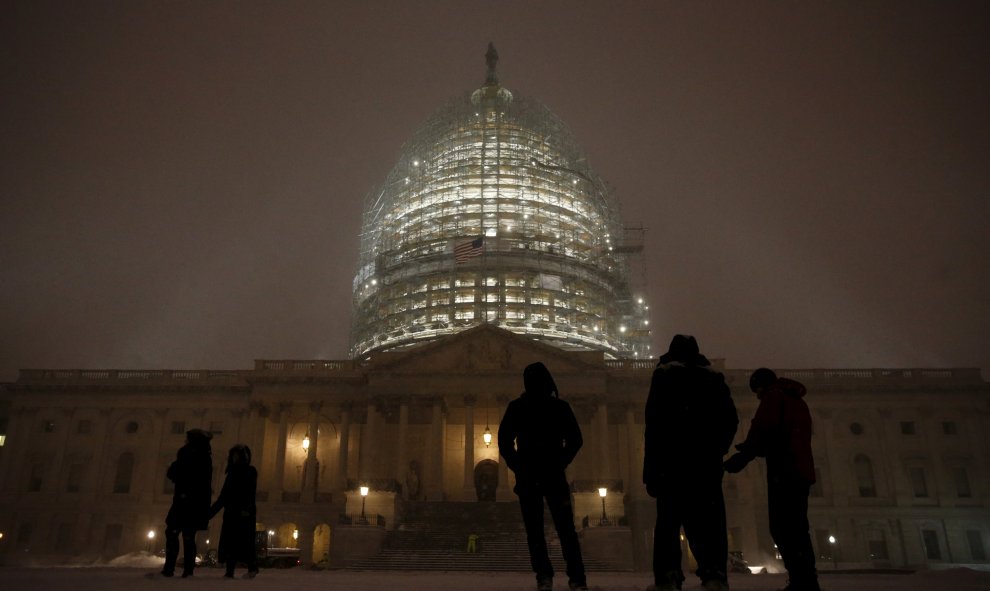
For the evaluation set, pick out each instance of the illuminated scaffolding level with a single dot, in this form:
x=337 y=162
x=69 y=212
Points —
x=492 y=215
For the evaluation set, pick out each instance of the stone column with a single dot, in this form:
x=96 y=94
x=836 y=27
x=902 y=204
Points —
x=368 y=436
x=311 y=471
x=278 y=482
x=401 y=458
x=64 y=424
x=307 y=529
x=604 y=458
x=633 y=484
x=434 y=482
x=18 y=445
x=504 y=490
x=469 y=493
x=345 y=435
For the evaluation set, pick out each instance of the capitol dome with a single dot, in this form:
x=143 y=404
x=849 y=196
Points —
x=492 y=215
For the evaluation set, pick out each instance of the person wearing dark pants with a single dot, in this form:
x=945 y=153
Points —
x=781 y=433
x=538 y=438
x=191 y=472
x=700 y=510
x=237 y=499
x=690 y=423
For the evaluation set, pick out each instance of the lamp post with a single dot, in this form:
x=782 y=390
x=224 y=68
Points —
x=151 y=540
x=835 y=563
x=270 y=534
x=603 y=492
x=364 y=497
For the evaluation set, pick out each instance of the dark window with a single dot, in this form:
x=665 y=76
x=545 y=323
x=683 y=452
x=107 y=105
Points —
x=74 y=482
x=864 y=476
x=24 y=534
x=37 y=478
x=178 y=427
x=131 y=427
x=125 y=470
x=932 y=550
x=976 y=548
x=919 y=485
x=216 y=427
x=878 y=549
x=84 y=427
x=111 y=539
x=856 y=429
x=64 y=540
x=961 y=477
x=949 y=427
x=907 y=427
x=48 y=426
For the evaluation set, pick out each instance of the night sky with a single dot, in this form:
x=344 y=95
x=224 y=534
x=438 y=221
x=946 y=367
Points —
x=182 y=182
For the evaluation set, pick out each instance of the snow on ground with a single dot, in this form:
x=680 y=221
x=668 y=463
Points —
x=134 y=579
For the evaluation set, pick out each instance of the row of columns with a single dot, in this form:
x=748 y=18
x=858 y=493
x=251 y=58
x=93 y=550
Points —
x=373 y=442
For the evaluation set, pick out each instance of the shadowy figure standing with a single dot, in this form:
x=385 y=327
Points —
x=539 y=437
x=690 y=424
x=781 y=432
x=191 y=472
x=237 y=499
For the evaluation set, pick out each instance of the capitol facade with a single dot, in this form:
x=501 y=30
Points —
x=489 y=246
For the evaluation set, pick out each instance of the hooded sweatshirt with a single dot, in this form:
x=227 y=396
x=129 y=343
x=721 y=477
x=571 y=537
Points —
x=781 y=431
x=539 y=435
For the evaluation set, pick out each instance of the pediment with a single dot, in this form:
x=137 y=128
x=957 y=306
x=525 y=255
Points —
x=484 y=348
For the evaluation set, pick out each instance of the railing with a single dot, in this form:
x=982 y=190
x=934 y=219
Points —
x=366 y=519
x=604 y=521
x=304 y=365
x=128 y=374
x=967 y=375
x=631 y=364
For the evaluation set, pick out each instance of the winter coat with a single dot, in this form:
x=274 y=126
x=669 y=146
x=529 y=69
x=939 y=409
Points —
x=192 y=473
x=539 y=437
x=237 y=499
x=690 y=422
x=781 y=431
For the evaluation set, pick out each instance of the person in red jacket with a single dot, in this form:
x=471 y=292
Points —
x=781 y=433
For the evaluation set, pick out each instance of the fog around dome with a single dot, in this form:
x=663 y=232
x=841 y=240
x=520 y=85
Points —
x=492 y=214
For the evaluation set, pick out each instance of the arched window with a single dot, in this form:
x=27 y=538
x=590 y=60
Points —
x=864 y=476
x=125 y=471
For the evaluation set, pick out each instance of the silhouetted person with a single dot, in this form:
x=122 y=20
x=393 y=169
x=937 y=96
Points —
x=781 y=433
x=539 y=437
x=690 y=423
x=239 y=512
x=191 y=472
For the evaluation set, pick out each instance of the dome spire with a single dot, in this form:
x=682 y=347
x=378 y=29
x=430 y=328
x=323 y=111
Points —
x=491 y=58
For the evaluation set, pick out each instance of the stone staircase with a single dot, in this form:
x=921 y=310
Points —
x=433 y=536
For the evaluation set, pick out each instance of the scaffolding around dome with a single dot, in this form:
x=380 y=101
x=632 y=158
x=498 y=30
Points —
x=493 y=215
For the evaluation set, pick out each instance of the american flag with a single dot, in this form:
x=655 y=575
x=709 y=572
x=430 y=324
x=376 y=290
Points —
x=468 y=248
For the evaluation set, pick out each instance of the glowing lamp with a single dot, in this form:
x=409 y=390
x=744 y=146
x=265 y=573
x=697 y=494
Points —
x=151 y=534
x=487 y=437
x=364 y=491
x=306 y=442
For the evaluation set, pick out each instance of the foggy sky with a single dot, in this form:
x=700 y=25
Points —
x=182 y=182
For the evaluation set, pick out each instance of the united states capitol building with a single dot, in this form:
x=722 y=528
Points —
x=490 y=245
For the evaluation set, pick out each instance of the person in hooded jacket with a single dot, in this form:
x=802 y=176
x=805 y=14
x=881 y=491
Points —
x=690 y=423
x=539 y=437
x=237 y=499
x=781 y=433
x=192 y=472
